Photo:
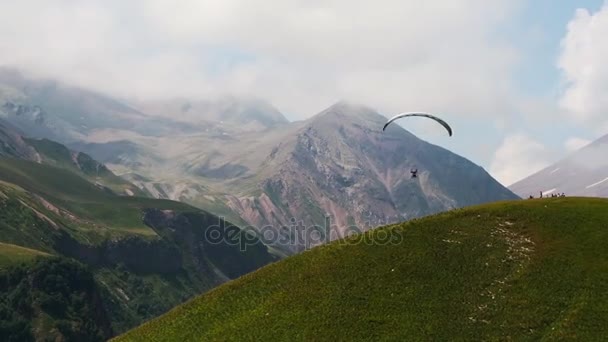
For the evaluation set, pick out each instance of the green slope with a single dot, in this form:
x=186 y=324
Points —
x=99 y=209
x=56 y=154
x=12 y=254
x=520 y=270
x=146 y=255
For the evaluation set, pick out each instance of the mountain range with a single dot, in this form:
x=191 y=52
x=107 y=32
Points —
x=109 y=206
x=243 y=160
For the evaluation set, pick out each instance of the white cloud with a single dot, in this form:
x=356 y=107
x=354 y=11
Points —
x=583 y=63
x=517 y=157
x=393 y=54
x=574 y=143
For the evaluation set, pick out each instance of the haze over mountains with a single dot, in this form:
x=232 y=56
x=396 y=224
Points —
x=242 y=159
x=582 y=173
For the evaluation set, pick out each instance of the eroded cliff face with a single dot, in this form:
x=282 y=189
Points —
x=13 y=145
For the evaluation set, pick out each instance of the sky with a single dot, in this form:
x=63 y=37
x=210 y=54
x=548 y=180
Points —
x=521 y=82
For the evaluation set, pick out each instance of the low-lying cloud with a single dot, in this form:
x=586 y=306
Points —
x=300 y=55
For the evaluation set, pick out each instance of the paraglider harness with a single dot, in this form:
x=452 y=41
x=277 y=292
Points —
x=414 y=173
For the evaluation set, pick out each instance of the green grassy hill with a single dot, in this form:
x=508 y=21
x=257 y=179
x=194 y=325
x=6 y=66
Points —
x=56 y=154
x=146 y=255
x=97 y=209
x=519 y=270
x=43 y=151
x=11 y=255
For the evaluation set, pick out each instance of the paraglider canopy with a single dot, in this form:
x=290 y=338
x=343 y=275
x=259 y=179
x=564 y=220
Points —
x=421 y=114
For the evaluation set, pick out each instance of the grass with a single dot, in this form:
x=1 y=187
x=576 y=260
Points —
x=518 y=270
x=144 y=295
x=97 y=208
x=142 y=264
x=58 y=155
x=12 y=254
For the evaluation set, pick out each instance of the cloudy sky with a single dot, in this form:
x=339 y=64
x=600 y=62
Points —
x=521 y=82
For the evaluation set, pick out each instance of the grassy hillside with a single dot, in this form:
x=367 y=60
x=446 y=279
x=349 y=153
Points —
x=519 y=270
x=56 y=154
x=146 y=255
x=100 y=209
x=11 y=255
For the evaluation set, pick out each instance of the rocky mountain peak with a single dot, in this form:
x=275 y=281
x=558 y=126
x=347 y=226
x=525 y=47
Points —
x=341 y=165
x=344 y=110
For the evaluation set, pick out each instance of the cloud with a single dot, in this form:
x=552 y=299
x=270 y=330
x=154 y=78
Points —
x=517 y=157
x=574 y=143
x=301 y=55
x=583 y=64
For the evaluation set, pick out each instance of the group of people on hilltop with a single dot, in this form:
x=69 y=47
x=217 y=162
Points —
x=552 y=195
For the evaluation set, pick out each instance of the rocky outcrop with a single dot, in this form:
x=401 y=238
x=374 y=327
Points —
x=34 y=113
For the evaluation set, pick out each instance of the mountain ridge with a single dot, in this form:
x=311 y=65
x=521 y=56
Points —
x=581 y=173
x=329 y=156
x=337 y=163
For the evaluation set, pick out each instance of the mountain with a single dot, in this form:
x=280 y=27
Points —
x=582 y=173
x=336 y=169
x=146 y=255
x=240 y=158
x=44 y=151
x=339 y=163
x=514 y=270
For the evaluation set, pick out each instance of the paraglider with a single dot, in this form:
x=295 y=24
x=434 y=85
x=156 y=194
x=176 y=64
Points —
x=414 y=173
x=426 y=115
